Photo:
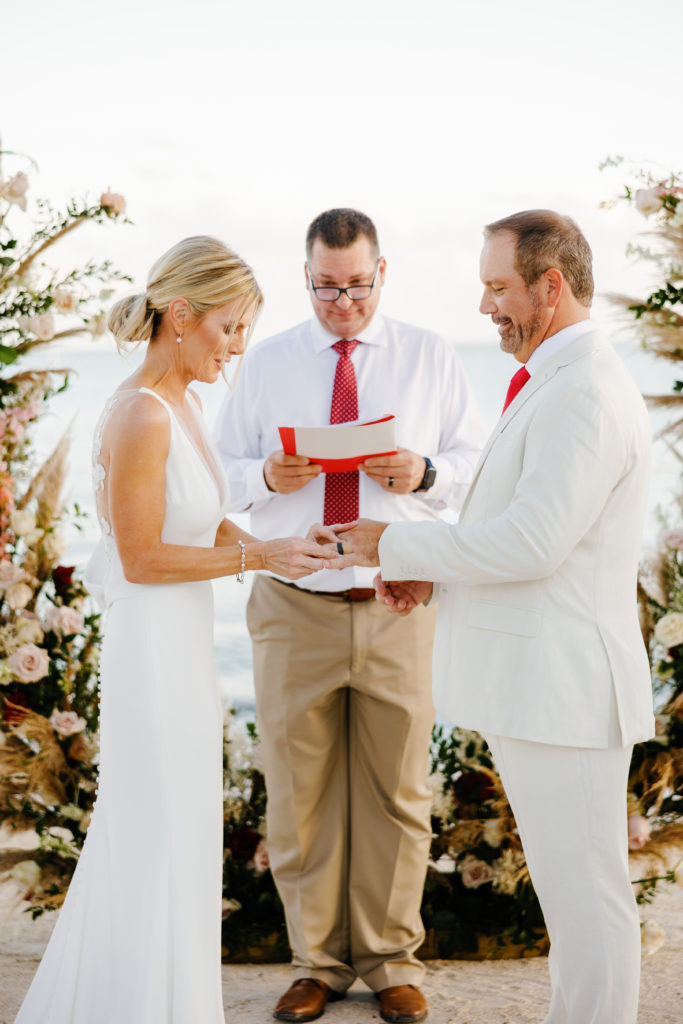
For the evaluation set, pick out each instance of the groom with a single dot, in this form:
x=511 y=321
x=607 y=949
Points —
x=538 y=645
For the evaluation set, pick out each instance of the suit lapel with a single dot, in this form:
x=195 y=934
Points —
x=583 y=346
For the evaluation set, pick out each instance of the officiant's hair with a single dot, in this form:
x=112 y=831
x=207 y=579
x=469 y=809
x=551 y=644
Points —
x=202 y=270
x=338 y=229
x=547 y=239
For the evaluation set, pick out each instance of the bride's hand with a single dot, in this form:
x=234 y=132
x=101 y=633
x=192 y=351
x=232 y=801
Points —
x=295 y=557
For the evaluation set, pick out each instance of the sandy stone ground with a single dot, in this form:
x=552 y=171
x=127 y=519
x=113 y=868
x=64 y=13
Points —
x=492 y=992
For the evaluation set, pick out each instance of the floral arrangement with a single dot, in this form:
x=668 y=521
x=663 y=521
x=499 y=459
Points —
x=478 y=898
x=49 y=635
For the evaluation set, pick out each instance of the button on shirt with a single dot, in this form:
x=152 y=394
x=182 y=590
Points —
x=287 y=380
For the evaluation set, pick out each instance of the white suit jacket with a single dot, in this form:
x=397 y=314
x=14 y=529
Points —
x=538 y=635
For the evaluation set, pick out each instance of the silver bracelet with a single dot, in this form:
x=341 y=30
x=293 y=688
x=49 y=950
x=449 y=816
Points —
x=240 y=574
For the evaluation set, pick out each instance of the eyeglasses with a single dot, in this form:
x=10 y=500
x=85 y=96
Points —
x=355 y=292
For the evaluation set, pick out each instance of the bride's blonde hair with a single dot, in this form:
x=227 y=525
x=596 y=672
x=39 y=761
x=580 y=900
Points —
x=200 y=269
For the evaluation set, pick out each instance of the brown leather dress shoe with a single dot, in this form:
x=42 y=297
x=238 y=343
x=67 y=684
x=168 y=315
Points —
x=305 y=1000
x=402 y=1004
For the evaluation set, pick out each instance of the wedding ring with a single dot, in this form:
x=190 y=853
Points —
x=391 y=481
x=340 y=547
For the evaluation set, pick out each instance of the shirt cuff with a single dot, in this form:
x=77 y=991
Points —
x=441 y=489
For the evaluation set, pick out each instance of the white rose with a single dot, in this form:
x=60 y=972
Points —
x=54 y=546
x=97 y=325
x=678 y=873
x=648 y=201
x=669 y=629
x=474 y=872
x=22 y=521
x=66 y=302
x=229 y=907
x=27 y=873
x=63 y=619
x=10 y=573
x=66 y=723
x=14 y=190
x=42 y=326
x=18 y=595
x=652 y=937
x=493 y=831
x=28 y=629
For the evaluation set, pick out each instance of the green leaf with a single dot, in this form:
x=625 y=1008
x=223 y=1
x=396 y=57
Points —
x=7 y=354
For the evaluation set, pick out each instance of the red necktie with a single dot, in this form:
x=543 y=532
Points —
x=341 y=489
x=516 y=385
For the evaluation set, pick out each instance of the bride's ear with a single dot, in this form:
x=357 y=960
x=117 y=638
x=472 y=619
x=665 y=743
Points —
x=180 y=314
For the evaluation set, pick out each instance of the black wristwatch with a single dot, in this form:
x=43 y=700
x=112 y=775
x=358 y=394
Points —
x=429 y=477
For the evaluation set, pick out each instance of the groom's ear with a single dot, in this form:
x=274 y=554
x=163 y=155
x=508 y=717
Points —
x=553 y=283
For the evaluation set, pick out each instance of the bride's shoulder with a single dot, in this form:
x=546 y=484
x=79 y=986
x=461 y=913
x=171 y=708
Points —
x=137 y=415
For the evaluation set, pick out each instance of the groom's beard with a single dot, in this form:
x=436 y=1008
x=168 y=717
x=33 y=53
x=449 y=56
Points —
x=513 y=336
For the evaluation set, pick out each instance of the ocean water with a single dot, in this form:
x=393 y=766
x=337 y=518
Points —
x=97 y=371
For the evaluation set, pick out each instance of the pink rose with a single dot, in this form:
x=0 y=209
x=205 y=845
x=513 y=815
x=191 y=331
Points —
x=63 y=619
x=674 y=540
x=260 y=862
x=113 y=203
x=638 y=831
x=42 y=326
x=66 y=723
x=474 y=872
x=10 y=573
x=29 y=663
x=14 y=190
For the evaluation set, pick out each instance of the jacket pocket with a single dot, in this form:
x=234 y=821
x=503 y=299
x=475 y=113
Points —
x=503 y=618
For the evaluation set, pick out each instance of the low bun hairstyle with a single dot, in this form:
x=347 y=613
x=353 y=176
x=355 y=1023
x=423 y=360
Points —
x=200 y=269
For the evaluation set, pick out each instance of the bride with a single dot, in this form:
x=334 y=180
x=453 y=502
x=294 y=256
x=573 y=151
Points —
x=138 y=937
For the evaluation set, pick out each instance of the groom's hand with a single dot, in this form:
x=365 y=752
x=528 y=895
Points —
x=357 y=543
x=401 y=596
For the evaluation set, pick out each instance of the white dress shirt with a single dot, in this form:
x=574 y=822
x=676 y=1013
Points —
x=287 y=380
x=556 y=342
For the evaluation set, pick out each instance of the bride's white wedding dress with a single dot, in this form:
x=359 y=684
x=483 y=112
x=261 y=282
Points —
x=138 y=938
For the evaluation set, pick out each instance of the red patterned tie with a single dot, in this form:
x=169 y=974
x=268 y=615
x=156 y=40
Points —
x=341 y=489
x=516 y=385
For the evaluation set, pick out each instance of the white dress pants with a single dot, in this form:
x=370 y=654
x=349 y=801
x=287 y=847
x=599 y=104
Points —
x=570 y=807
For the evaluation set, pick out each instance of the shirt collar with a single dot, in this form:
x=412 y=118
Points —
x=374 y=334
x=558 y=341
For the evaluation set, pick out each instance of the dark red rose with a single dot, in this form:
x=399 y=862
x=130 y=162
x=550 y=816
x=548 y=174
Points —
x=61 y=575
x=242 y=843
x=473 y=788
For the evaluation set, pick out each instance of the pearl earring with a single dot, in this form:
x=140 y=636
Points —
x=179 y=338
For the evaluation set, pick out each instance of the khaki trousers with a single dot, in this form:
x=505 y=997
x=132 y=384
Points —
x=345 y=711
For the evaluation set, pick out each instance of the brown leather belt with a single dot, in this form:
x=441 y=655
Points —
x=354 y=594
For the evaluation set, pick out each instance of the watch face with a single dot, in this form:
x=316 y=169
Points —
x=429 y=478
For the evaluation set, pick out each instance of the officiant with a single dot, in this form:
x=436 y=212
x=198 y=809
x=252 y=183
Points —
x=343 y=688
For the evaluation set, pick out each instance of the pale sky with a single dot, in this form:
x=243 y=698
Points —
x=245 y=120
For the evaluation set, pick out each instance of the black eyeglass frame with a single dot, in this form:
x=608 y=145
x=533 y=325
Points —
x=343 y=291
